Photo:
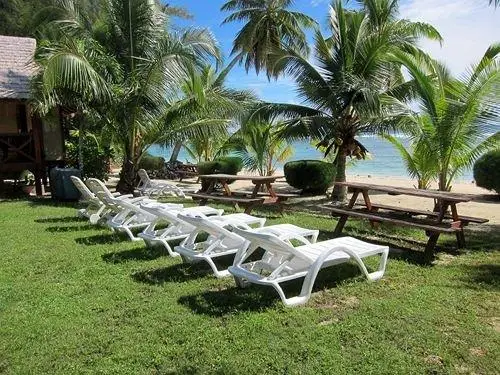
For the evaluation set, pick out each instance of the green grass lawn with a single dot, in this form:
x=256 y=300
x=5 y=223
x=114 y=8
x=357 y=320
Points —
x=78 y=299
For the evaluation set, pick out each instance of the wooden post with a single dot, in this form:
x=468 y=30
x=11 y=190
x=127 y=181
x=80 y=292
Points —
x=38 y=147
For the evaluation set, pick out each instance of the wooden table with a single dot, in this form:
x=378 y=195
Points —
x=435 y=222
x=250 y=200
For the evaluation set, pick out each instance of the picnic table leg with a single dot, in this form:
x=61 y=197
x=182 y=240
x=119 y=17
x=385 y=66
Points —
x=456 y=219
x=368 y=204
x=225 y=185
x=256 y=190
x=343 y=218
x=429 y=248
x=270 y=190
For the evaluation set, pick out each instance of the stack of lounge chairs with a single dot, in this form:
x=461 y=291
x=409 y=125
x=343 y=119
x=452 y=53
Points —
x=286 y=252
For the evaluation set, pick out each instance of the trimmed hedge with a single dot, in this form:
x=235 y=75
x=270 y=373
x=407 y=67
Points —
x=152 y=163
x=224 y=165
x=487 y=171
x=311 y=176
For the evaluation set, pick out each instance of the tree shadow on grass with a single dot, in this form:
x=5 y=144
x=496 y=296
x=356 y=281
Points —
x=140 y=253
x=218 y=303
x=70 y=228
x=62 y=219
x=101 y=239
x=48 y=202
x=483 y=275
x=173 y=274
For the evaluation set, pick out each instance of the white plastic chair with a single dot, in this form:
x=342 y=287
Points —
x=95 y=209
x=221 y=240
x=94 y=204
x=175 y=229
x=156 y=189
x=127 y=213
x=283 y=262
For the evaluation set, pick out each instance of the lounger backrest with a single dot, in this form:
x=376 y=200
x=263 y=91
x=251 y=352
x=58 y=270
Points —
x=213 y=228
x=100 y=190
x=124 y=204
x=145 y=181
x=169 y=214
x=270 y=242
x=83 y=189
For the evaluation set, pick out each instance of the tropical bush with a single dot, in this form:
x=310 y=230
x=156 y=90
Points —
x=152 y=163
x=487 y=171
x=223 y=165
x=311 y=176
x=95 y=158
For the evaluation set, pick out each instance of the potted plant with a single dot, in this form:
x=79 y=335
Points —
x=28 y=180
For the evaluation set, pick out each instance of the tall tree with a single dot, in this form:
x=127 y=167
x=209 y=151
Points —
x=352 y=88
x=269 y=25
x=127 y=66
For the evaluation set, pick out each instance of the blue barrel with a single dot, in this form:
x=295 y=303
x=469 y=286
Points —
x=61 y=186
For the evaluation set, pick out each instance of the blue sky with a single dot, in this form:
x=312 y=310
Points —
x=468 y=28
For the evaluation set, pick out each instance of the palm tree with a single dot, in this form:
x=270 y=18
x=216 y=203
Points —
x=352 y=87
x=458 y=117
x=125 y=65
x=269 y=25
x=204 y=94
x=259 y=147
x=418 y=158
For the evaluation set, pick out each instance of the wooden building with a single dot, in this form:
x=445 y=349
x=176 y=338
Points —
x=27 y=142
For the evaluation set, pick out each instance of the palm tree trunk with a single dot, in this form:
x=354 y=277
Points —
x=80 y=143
x=339 y=193
x=126 y=185
x=175 y=152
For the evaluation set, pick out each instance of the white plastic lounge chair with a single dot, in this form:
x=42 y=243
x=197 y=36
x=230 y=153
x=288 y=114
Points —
x=127 y=213
x=222 y=241
x=175 y=229
x=95 y=209
x=283 y=262
x=151 y=188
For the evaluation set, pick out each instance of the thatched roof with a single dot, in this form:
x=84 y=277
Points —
x=16 y=66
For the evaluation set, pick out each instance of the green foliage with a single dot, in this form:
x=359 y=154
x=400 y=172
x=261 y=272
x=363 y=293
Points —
x=270 y=26
x=259 y=147
x=17 y=16
x=487 y=171
x=126 y=63
x=224 y=165
x=311 y=176
x=457 y=119
x=96 y=159
x=151 y=163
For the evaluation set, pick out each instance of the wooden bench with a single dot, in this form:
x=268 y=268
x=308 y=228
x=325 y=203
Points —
x=248 y=203
x=413 y=212
x=426 y=224
x=282 y=197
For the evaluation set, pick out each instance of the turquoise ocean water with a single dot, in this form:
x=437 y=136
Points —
x=384 y=159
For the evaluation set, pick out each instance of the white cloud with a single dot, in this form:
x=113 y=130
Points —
x=468 y=28
x=315 y=3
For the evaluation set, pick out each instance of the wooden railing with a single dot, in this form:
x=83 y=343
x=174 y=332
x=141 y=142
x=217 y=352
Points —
x=17 y=148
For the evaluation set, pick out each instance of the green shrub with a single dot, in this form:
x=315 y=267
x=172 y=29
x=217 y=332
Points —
x=311 y=176
x=223 y=165
x=151 y=163
x=487 y=171
x=96 y=159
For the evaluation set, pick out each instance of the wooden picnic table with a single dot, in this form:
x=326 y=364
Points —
x=248 y=199
x=435 y=222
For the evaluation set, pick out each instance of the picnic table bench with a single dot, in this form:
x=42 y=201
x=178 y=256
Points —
x=434 y=223
x=247 y=199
